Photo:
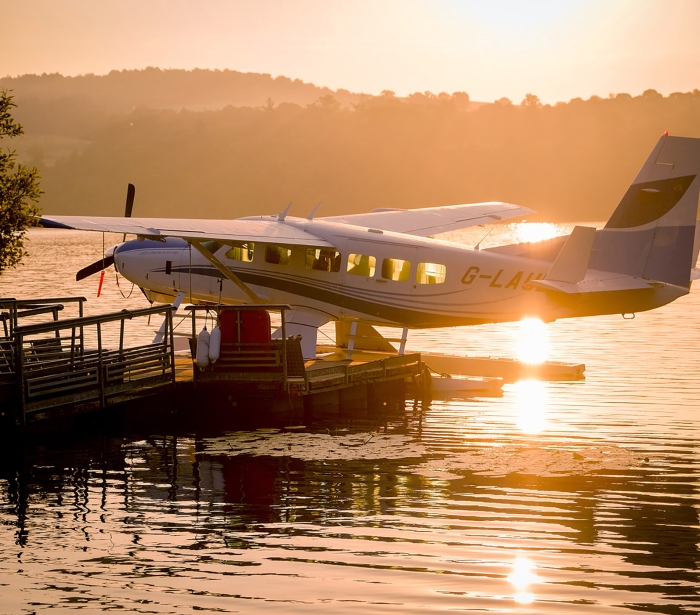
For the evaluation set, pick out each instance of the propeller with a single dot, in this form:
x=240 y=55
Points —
x=97 y=266
x=130 y=192
x=108 y=259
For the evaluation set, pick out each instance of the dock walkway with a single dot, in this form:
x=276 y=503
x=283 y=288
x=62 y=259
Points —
x=65 y=367
x=49 y=365
x=83 y=364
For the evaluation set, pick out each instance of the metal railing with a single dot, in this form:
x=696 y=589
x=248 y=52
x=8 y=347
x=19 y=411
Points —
x=54 y=368
x=11 y=310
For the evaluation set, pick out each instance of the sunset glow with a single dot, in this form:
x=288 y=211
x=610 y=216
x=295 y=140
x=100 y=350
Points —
x=522 y=577
x=328 y=307
x=533 y=341
x=531 y=406
x=537 y=231
x=556 y=50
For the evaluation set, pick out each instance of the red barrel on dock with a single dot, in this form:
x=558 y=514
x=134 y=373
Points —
x=249 y=326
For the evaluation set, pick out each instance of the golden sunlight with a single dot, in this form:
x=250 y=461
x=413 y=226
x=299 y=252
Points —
x=531 y=406
x=522 y=577
x=533 y=341
x=537 y=231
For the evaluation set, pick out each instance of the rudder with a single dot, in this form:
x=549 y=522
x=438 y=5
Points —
x=651 y=232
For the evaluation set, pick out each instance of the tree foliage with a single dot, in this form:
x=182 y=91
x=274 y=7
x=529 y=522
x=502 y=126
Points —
x=19 y=192
x=267 y=142
x=570 y=162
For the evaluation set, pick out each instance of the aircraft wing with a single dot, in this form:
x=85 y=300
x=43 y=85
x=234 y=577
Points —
x=432 y=220
x=240 y=230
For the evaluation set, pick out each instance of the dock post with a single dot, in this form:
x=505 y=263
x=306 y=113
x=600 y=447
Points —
x=322 y=404
x=81 y=314
x=170 y=337
x=353 y=400
x=72 y=348
x=100 y=366
x=351 y=340
x=284 y=351
x=404 y=336
x=19 y=372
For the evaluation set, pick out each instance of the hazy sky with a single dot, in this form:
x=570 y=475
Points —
x=557 y=49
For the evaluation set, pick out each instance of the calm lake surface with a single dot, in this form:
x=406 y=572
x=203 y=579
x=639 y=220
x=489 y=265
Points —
x=576 y=497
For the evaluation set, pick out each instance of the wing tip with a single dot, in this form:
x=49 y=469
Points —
x=48 y=223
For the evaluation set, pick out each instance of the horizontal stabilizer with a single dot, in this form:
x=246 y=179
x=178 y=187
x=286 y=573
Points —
x=572 y=262
x=604 y=285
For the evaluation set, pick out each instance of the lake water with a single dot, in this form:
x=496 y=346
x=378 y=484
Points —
x=577 y=497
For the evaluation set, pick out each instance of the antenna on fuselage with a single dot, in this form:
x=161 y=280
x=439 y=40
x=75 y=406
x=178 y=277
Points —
x=313 y=211
x=476 y=247
x=283 y=215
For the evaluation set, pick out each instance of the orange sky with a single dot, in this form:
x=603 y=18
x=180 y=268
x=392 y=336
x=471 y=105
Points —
x=555 y=49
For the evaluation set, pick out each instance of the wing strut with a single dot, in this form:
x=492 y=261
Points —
x=227 y=273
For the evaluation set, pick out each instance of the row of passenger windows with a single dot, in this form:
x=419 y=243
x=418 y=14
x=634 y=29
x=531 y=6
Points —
x=365 y=265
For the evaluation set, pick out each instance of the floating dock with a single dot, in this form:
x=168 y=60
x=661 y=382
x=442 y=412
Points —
x=67 y=367
x=83 y=364
x=64 y=366
x=509 y=370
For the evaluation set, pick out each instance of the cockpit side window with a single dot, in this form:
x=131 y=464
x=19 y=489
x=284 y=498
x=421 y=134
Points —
x=430 y=273
x=244 y=252
x=362 y=264
x=396 y=269
x=278 y=255
x=323 y=260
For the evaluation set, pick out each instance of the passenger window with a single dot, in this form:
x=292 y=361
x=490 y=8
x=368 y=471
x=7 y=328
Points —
x=244 y=253
x=430 y=273
x=396 y=269
x=278 y=255
x=361 y=264
x=323 y=260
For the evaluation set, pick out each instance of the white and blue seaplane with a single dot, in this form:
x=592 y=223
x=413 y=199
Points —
x=385 y=268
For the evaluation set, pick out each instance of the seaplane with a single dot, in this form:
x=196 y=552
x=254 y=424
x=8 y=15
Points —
x=386 y=268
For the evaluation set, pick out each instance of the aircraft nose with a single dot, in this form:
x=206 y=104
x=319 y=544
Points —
x=145 y=261
x=124 y=253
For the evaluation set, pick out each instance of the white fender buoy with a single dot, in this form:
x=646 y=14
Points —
x=203 y=348
x=215 y=344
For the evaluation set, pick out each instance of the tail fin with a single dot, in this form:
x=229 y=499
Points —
x=651 y=233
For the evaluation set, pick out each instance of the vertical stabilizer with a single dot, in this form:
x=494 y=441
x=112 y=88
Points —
x=572 y=262
x=651 y=233
x=696 y=245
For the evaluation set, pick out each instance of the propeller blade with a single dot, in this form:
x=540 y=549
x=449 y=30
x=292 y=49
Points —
x=99 y=265
x=130 y=192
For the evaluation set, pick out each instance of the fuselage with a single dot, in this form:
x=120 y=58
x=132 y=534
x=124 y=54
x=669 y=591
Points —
x=378 y=277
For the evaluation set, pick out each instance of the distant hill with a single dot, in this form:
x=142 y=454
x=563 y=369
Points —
x=61 y=115
x=122 y=91
x=241 y=144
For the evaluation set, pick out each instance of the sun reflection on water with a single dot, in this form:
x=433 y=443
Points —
x=533 y=341
x=537 y=231
x=522 y=577
x=531 y=406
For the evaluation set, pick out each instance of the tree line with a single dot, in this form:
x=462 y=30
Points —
x=569 y=161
